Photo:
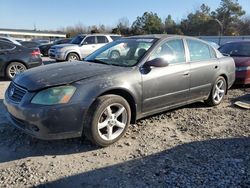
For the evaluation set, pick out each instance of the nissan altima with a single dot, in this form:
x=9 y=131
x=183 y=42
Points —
x=100 y=96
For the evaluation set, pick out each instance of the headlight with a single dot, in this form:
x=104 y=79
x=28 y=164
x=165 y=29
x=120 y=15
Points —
x=54 y=95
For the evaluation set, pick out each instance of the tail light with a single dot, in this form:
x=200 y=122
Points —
x=36 y=52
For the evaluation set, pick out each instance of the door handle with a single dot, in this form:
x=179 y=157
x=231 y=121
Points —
x=186 y=73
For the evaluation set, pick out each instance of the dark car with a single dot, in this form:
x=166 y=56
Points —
x=15 y=59
x=101 y=96
x=45 y=48
x=240 y=52
x=30 y=44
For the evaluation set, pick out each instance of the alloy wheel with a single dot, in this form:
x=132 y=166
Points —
x=15 y=69
x=112 y=122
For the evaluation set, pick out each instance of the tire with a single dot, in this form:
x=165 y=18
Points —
x=114 y=54
x=14 y=68
x=72 y=57
x=99 y=121
x=218 y=92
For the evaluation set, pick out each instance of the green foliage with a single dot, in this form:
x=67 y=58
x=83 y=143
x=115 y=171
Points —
x=225 y=20
x=149 y=23
x=229 y=13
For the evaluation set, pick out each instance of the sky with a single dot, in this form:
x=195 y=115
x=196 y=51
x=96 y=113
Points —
x=55 y=14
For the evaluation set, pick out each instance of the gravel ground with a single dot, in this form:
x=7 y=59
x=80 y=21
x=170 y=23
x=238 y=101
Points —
x=193 y=146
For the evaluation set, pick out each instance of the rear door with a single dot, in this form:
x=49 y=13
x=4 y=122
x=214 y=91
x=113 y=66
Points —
x=101 y=41
x=203 y=68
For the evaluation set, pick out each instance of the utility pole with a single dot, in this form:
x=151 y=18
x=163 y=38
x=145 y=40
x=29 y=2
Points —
x=221 y=28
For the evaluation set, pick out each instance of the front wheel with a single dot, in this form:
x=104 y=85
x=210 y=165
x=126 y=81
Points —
x=73 y=57
x=107 y=120
x=218 y=92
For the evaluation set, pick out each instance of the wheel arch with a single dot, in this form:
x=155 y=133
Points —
x=9 y=62
x=128 y=97
x=67 y=53
x=226 y=78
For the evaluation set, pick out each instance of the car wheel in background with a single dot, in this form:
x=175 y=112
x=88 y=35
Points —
x=14 y=68
x=73 y=57
x=107 y=120
x=218 y=92
x=114 y=54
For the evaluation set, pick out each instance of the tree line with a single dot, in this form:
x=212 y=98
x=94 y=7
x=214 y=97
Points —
x=228 y=19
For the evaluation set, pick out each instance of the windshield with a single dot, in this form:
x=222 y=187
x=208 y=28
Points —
x=123 y=52
x=78 y=39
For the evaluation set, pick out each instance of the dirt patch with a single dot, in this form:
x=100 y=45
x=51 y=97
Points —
x=193 y=146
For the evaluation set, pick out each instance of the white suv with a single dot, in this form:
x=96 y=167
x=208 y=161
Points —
x=80 y=46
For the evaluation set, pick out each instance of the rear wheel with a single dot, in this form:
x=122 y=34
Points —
x=108 y=120
x=14 y=68
x=73 y=57
x=218 y=92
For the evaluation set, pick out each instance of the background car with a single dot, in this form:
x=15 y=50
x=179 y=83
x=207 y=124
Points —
x=30 y=44
x=80 y=46
x=15 y=59
x=240 y=52
x=45 y=48
x=101 y=96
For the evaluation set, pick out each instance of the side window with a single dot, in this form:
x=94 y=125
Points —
x=90 y=40
x=173 y=51
x=6 y=46
x=198 y=50
x=102 y=39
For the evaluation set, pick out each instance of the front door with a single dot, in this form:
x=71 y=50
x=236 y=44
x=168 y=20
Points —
x=167 y=86
x=88 y=46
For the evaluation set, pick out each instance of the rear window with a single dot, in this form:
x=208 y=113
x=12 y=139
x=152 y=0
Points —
x=115 y=37
x=236 y=49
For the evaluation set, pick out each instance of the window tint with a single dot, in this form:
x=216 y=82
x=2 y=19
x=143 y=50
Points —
x=6 y=46
x=236 y=49
x=173 y=51
x=102 y=39
x=115 y=37
x=90 y=40
x=198 y=50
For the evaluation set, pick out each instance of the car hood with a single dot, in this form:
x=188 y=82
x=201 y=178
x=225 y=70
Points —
x=63 y=73
x=242 y=61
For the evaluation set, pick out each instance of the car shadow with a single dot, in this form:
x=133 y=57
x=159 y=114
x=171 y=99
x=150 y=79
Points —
x=210 y=163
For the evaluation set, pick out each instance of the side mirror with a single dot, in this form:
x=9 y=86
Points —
x=225 y=54
x=84 y=43
x=158 y=62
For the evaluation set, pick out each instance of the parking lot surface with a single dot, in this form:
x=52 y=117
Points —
x=192 y=146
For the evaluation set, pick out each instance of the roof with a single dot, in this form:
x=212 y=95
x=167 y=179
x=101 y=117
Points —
x=157 y=36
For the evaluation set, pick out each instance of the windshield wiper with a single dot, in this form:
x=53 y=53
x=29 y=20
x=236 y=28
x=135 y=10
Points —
x=97 y=61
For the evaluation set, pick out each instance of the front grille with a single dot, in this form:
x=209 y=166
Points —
x=15 y=93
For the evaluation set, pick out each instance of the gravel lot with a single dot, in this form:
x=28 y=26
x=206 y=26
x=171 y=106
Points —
x=193 y=146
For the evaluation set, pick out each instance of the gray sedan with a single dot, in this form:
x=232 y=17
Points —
x=100 y=96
